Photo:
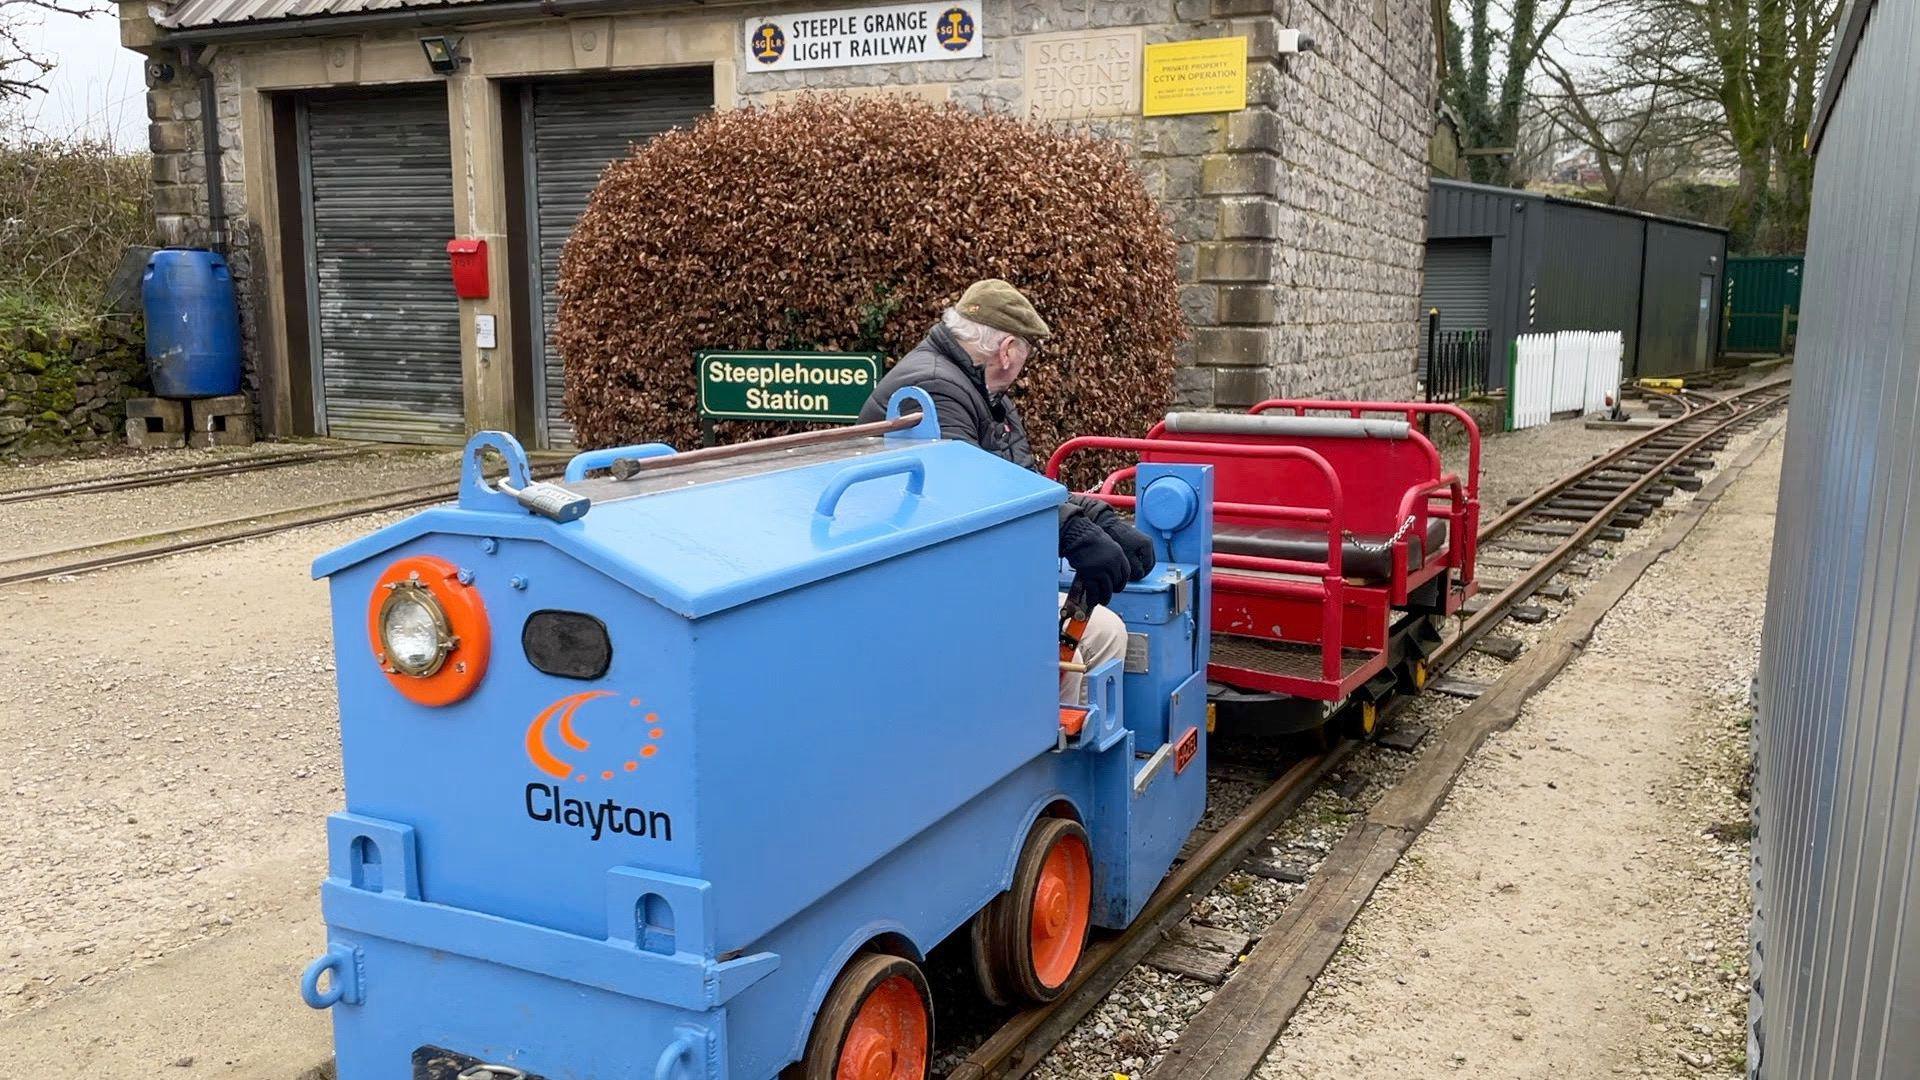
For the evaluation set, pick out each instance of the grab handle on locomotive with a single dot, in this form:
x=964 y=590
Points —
x=343 y=963
x=913 y=467
x=579 y=465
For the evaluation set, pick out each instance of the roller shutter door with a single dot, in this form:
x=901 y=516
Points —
x=576 y=129
x=378 y=180
x=1456 y=282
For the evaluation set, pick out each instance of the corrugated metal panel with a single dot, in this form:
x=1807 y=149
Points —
x=1456 y=209
x=379 y=192
x=1589 y=276
x=1679 y=320
x=577 y=128
x=193 y=13
x=1762 y=302
x=1837 y=847
x=1563 y=264
x=1456 y=282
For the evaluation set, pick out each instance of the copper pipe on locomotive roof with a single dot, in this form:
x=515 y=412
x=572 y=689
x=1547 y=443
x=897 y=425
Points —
x=628 y=468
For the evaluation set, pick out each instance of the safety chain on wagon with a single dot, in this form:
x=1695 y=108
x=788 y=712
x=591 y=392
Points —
x=1385 y=545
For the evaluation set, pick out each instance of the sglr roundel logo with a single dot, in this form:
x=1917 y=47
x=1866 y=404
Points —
x=769 y=43
x=954 y=30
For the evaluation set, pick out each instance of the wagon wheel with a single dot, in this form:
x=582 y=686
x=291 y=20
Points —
x=1027 y=942
x=876 y=1024
x=1363 y=720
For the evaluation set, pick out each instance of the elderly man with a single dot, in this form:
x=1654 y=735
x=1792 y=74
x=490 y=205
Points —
x=966 y=364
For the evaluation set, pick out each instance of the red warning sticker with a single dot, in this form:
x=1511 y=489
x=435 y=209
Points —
x=1184 y=750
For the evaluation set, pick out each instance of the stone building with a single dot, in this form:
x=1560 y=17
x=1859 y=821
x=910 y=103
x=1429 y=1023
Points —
x=353 y=139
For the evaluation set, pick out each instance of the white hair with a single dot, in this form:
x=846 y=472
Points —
x=977 y=338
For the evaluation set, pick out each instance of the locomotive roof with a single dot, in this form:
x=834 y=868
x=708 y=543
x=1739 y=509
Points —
x=702 y=538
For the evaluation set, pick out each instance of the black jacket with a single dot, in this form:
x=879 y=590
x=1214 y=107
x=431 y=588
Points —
x=967 y=412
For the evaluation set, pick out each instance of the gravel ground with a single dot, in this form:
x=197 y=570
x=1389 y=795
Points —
x=115 y=460
x=1579 y=906
x=168 y=737
x=1130 y=1030
x=168 y=743
x=1516 y=463
x=47 y=525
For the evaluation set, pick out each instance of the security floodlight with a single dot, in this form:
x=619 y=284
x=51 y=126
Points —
x=443 y=54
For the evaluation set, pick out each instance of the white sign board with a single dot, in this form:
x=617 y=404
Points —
x=889 y=34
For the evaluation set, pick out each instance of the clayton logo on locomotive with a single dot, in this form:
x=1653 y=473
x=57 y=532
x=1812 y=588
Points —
x=547 y=802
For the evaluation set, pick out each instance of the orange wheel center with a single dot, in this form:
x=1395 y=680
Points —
x=870 y=1056
x=1062 y=907
x=888 y=1037
x=1050 y=910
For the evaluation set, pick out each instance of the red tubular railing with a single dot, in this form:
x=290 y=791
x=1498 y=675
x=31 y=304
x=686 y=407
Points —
x=1332 y=584
x=1409 y=409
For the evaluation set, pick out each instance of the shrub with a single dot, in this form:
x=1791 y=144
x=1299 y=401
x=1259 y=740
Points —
x=836 y=224
x=69 y=207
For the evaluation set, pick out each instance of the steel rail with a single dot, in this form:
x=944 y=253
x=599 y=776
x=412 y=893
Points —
x=1022 y=1041
x=428 y=494
x=1499 y=604
x=177 y=474
x=1019 y=1045
x=1612 y=459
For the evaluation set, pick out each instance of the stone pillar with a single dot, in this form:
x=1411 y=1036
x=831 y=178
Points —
x=480 y=212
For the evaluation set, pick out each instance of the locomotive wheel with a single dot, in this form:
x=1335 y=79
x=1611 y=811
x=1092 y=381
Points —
x=1028 y=941
x=876 y=1024
x=1364 y=722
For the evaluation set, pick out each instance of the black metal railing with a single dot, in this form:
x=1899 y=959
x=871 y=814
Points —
x=1456 y=364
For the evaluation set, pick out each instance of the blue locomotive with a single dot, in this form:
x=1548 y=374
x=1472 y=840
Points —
x=681 y=772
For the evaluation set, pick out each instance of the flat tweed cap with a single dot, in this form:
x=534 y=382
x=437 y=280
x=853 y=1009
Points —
x=996 y=303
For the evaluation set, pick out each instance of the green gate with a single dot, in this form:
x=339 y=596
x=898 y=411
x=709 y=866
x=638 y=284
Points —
x=1762 y=304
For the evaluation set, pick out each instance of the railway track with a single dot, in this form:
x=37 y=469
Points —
x=177 y=474
x=122 y=551
x=1598 y=501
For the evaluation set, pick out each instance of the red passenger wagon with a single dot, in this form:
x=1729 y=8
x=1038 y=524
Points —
x=1340 y=543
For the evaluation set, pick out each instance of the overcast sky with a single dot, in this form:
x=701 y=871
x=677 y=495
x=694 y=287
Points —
x=97 y=86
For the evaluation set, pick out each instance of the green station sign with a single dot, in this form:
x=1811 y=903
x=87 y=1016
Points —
x=817 y=387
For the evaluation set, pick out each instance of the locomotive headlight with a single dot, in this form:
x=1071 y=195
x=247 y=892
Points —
x=414 y=633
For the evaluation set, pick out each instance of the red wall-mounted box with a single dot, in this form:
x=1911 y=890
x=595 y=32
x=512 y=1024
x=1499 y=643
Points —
x=469 y=259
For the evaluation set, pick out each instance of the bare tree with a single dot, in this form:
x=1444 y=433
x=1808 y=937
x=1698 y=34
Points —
x=1753 y=66
x=1642 y=131
x=23 y=69
x=1489 y=61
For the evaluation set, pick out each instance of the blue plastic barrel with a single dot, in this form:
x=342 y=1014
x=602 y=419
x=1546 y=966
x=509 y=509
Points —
x=193 y=324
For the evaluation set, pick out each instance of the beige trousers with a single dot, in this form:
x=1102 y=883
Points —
x=1105 y=639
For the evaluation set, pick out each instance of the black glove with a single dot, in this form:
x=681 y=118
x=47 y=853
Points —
x=1099 y=566
x=1137 y=545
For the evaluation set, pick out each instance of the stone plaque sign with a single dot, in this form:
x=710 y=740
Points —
x=1075 y=76
x=1203 y=76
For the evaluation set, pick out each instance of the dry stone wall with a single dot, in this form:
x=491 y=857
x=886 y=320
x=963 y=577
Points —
x=63 y=391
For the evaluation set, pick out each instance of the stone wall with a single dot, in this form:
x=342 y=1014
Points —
x=176 y=137
x=1302 y=219
x=63 y=391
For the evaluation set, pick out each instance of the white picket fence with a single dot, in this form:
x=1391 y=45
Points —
x=1574 y=371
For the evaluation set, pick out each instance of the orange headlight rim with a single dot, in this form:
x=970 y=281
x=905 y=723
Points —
x=466 y=614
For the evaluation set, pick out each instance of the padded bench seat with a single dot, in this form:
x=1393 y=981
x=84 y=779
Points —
x=1310 y=545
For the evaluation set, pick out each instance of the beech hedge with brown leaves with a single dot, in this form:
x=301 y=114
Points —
x=849 y=225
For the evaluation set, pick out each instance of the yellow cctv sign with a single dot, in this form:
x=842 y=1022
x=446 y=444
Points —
x=1209 y=75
